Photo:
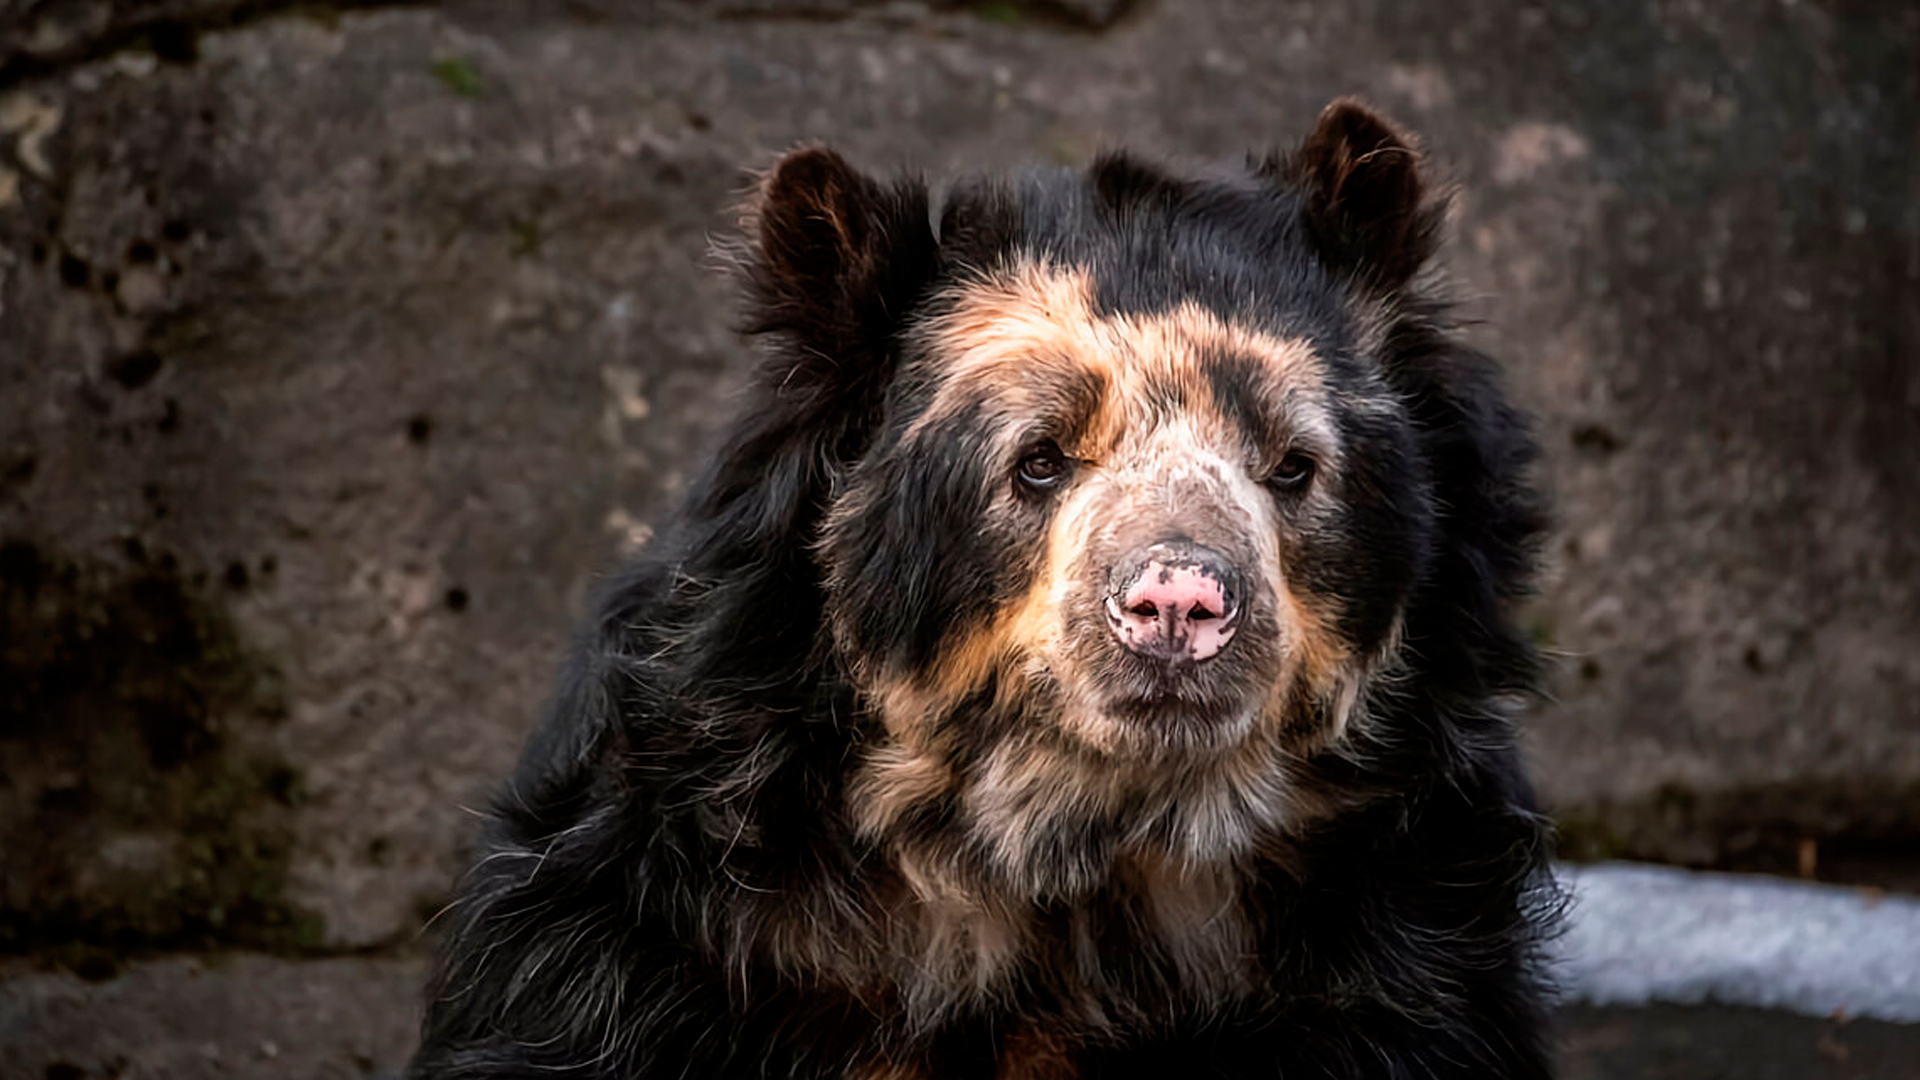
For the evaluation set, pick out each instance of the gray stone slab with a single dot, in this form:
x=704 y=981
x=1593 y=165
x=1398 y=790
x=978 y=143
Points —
x=1643 y=934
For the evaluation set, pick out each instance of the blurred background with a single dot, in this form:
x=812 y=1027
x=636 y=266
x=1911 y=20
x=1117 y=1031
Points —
x=341 y=344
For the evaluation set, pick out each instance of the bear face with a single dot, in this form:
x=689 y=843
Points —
x=1136 y=505
x=1084 y=468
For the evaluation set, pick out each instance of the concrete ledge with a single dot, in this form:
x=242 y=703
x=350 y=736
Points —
x=1642 y=934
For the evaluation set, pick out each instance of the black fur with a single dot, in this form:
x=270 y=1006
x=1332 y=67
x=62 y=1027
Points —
x=686 y=788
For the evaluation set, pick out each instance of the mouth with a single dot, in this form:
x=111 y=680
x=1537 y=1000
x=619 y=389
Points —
x=1156 y=702
x=1175 y=697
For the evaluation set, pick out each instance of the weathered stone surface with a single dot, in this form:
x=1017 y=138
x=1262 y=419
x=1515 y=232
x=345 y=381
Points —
x=410 y=375
x=39 y=37
x=388 y=329
x=138 y=818
x=220 y=1017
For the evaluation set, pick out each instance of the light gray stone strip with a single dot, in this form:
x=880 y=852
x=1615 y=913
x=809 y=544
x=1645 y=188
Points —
x=1640 y=934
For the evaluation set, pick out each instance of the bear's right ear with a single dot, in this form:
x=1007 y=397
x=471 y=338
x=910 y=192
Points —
x=834 y=262
x=836 y=259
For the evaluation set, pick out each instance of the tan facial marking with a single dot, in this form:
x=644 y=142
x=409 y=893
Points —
x=999 y=345
x=893 y=778
x=1014 y=352
x=1035 y=321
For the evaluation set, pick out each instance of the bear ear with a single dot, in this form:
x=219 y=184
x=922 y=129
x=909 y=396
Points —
x=1366 y=206
x=833 y=263
x=837 y=257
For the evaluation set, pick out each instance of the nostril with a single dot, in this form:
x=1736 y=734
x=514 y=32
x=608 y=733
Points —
x=1178 y=603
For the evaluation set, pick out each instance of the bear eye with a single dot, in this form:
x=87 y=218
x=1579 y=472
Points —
x=1292 y=474
x=1044 y=467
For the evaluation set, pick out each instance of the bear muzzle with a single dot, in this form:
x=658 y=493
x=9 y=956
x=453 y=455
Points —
x=1175 y=601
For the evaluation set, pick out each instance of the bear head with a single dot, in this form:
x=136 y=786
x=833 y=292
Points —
x=1114 y=498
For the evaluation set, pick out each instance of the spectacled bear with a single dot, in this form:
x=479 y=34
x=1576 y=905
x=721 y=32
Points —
x=1091 y=656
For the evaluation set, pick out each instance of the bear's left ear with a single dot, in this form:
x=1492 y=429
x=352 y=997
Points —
x=1366 y=208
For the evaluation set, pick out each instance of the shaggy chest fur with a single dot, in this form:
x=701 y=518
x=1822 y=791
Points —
x=1113 y=958
x=1035 y=871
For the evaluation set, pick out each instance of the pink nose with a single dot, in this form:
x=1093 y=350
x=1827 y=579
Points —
x=1175 y=602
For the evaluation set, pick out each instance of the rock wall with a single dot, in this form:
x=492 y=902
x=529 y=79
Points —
x=339 y=348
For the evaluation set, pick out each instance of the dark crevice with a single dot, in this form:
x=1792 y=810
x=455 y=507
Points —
x=169 y=32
